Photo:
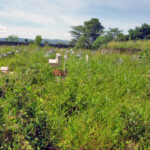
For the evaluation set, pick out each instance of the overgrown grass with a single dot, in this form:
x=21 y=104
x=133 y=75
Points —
x=140 y=44
x=102 y=104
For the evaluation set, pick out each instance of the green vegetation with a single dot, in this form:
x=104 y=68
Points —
x=102 y=104
x=84 y=36
x=140 y=44
x=91 y=35
x=38 y=39
x=140 y=33
x=100 y=41
x=12 y=38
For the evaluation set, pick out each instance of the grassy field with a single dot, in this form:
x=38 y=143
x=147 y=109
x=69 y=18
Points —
x=143 y=44
x=102 y=104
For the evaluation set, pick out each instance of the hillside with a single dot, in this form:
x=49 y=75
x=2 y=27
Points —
x=52 y=41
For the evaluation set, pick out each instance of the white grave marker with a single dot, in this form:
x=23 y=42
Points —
x=65 y=57
x=4 y=70
x=56 y=61
x=87 y=58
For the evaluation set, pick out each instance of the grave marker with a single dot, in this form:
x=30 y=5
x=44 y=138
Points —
x=56 y=61
x=4 y=55
x=65 y=57
x=87 y=58
x=79 y=55
x=4 y=70
x=120 y=60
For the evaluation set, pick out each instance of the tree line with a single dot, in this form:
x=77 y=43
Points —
x=15 y=38
x=38 y=40
x=92 y=35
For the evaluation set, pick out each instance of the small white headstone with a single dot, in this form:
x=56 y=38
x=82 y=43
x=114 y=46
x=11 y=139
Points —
x=65 y=57
x=87 y=58
x=4 y=70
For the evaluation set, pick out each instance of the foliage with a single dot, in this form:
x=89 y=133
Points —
x=12 y=38
x=89 y=31
x=46 y=42
x=100 y=41
x=100 y=105
x=122 y=37
x=82 y=42
x=142 y=32
x=139 y=44
x=38 y=39
x=113 y=33
x=76 y=33
x=92 y=29
x=26 y=40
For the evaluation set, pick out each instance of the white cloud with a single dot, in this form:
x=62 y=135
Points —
x=3 y=29
x=53 y=18
x=31 y=32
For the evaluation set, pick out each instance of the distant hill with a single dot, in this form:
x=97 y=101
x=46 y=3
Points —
x=51 y=41
x=55 y=41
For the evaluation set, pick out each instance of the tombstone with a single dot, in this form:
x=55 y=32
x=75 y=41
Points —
x=4 y=55
x=4 y=70
x=135 y=57
x=104 y=51
x=87 y=58
x=67 y=52
x=71 y=51
x=56 y=61
x=65 y=57
x=50 y=52
x=10 y=53
x=79 y=55
x=120 y=60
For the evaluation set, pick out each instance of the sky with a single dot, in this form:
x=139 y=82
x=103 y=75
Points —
x=52 y=19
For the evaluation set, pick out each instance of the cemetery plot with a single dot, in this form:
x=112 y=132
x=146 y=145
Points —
x=73 y=100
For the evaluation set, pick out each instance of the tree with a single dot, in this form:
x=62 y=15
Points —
x=113 y=33
x=92 y=30
x=46 y=42
x=82 y=42
x=26 y=40
x=122 y=37
x=12 y=38
x=38 y=39
x=140 y=33
x=101 y=40
x=88 y=32
x=76 y=33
